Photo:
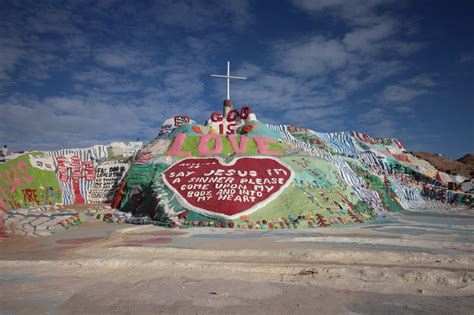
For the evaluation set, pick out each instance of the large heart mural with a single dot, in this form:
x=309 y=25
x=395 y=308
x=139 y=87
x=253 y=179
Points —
x=227 y=190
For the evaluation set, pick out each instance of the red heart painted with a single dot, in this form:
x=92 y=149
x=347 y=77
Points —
x=227 y=190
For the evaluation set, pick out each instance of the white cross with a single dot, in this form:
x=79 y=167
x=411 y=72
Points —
x=228 y=77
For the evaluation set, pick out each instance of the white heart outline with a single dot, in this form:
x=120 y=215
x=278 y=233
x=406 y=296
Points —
x=184 y=202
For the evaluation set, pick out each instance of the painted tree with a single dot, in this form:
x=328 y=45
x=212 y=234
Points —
x=354 y=217
x=322 y=222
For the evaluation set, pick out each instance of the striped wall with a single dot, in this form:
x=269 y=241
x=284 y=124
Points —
x=92 y=155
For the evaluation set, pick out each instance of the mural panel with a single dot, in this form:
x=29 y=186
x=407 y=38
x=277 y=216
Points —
x=227 y=190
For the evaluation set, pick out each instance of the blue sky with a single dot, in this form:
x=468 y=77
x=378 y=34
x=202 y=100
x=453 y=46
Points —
x=78 y=73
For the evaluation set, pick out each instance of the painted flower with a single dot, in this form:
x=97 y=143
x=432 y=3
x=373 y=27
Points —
x=183 y=215
x=197 y=129
x=247 y=129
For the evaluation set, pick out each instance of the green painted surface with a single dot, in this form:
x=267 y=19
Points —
x=22 y=185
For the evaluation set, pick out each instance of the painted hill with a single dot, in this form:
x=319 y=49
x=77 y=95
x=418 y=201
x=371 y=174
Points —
x=235 y=171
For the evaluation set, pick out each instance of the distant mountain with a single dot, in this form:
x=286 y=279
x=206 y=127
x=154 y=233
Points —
x=467 y=159
x=463 y=166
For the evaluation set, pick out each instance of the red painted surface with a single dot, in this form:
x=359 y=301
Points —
x=207 y=185
x=118 y=195
x=401 y=157
x=364 y=137
x=3 y=232
x=78 y=199
x=399 y=144
x=30 y=196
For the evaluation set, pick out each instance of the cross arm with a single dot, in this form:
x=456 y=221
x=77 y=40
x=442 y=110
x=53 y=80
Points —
x=228 y=76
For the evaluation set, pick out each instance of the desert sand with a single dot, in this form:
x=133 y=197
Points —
x=418 y=262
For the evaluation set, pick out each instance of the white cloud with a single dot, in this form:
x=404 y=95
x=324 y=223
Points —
x=119 y=57
x=397 y=93
x=377 y=122
x=367 y=39
x=408 y=89
x=58 y=122
x=422 y=80
x=310 y=56
x=335 y=67
x=356 y=12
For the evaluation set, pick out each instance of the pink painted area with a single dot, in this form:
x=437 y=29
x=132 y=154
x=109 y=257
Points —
x=158 y=240
x=17 y=176
x=23 y=167
x=262 y=145
x=203 y=144
x=11 y=182
x=178 y=142
x=243 y=143
x=14 y=178
x=78 y=241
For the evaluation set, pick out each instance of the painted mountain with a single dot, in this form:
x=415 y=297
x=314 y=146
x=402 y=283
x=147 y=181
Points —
x=235 y=171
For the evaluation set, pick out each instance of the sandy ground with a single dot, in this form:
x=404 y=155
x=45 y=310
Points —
x=410 y=263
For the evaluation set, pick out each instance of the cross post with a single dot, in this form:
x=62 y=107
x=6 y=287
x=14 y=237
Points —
x=228 y=77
